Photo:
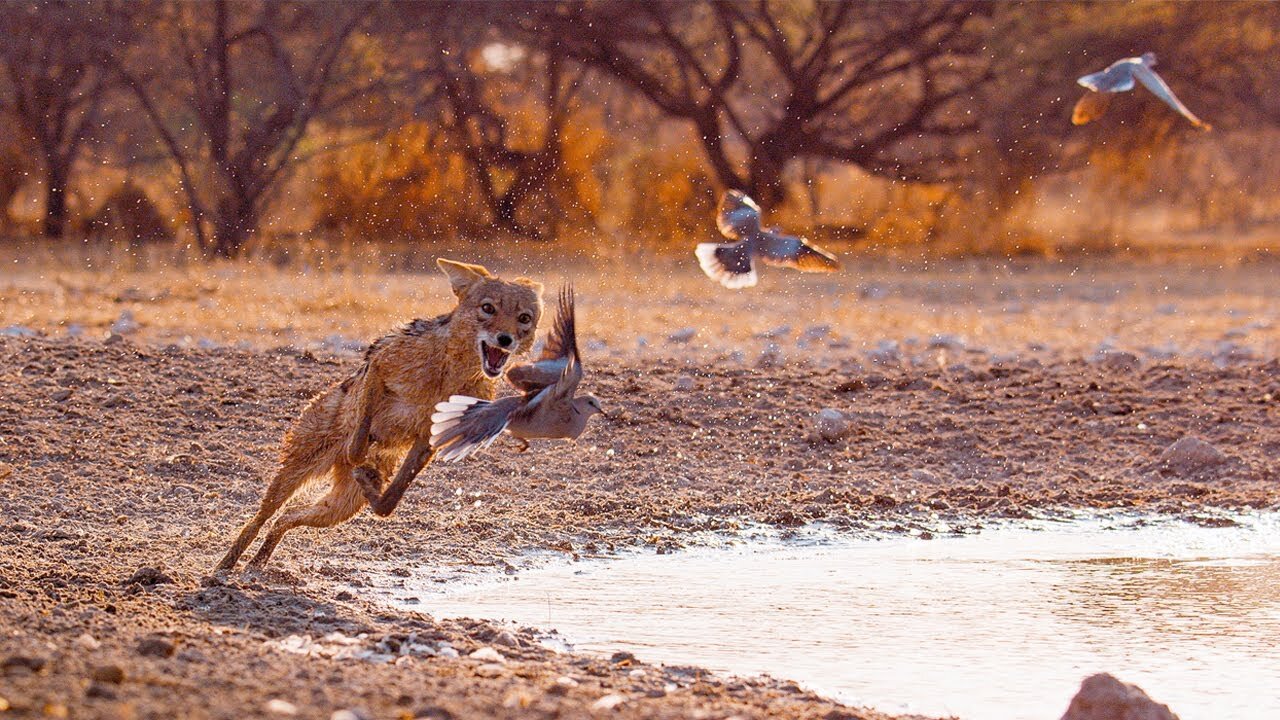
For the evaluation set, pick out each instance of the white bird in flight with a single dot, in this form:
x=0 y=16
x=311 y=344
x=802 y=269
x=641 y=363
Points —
x=1119 y=77
x=546 y=409
x=733 y=264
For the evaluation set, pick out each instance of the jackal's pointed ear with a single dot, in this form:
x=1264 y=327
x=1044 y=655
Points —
x=462 y=275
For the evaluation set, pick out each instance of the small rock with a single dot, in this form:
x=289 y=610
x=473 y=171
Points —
x=276 y=706
x=924 y=477
x=831 y=424
x=1190 y=453
x=487 y=654
x=98 y=690
x=5 y=470
x=684 y=383
x=943 y=341
x=344 y=596
x=87 y=642
x=489 y=670
x=113 y=339
x=770 y=357
x=682 y=336
x=60 y=395
x=886 y=353
x=75 y=330
x=567 y=682
x=23 y=662
x=814 y=333
x=148 y=576
x=1115 y=359
x=506 y=638
x=349 y=714
x=609 y=702
x=1102 y=697
x=155 y=647
x=18 y=331
x=622 y=656
x=125 y=324
x=774 y=333
x=108 y=674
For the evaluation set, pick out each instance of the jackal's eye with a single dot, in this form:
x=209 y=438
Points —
x=488 y=309
x=525 y=318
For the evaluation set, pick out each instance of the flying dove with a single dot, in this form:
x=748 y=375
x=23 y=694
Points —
x=546 y=408
x=1119 y=77
x=733 y=264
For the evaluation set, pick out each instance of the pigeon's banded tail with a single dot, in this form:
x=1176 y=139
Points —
x=729 y=265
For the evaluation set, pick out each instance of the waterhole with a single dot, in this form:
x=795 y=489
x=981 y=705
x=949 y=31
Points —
x=1001 y=624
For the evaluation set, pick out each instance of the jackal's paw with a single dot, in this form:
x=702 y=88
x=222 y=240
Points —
x=368 y=478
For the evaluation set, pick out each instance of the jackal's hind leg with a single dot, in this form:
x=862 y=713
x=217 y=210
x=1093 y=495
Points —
x=419 y=455
x=343 y=500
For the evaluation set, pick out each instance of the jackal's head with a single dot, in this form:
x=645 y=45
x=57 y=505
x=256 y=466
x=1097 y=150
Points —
x=502 y=315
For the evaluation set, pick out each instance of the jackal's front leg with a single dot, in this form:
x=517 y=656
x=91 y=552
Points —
x=383 y=503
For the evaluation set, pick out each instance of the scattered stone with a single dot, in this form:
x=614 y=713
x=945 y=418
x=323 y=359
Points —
x=148 y=576
x=87 y=642
x=814 y=333
x=506 y=638
x=344 y=596
x=943 y=341
x=924 y=477
x=1190 y=454
x=276 y=706
x=1226 y=354
x=18 y=331
x=622 y=656
x=487 y=654
x=831 y=424
x=1115 y=359
x=489 y=670
x=774 y=333
x=609 y=702
x=113 y=339
x=770 y=357
x=684 y=383
x=155 y=647
x=125 y=324
x=75 y=330
x=1102 y=697
x=30 y=663
x=5 y=470
x=682 y=336
x=565 y=681
x=60 y=395
x=98 y=690
x=886 y=353
x=349 y=714
x=108 y=674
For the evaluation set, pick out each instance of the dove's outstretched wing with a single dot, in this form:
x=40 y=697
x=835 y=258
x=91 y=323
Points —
x=1118 y=77
x=562 y=344
x=465 y=424
x=739 y=215
x=1157 y=85
x=794 y=252
x=728 y=264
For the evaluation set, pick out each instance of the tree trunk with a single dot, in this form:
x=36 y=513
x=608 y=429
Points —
x=55 y=208
x=234 y=223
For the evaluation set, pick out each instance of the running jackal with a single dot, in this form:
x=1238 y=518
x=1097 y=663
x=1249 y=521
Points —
x=356 y=431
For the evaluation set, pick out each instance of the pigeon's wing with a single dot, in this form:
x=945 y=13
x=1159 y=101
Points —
x=465 y=424
x=728 y=264
x=1091 y=106
x=562 y=343
x=1118 y=77
x=794 y=252
x=1156 y=85
x=739 y=216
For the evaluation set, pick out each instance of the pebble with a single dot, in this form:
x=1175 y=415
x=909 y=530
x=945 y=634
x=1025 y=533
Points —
x=774 y=333
x=155 y=647
x=924 y=477
x=1190 y=453
x=684 y=383
x=608 y=702
x=487 y=654
x=5 y=470
x=149 y=576
x=108 y=674
x=507 y=638
x=87 y=642
x=113 y=339
x=622 y=656
x=943 y=341
x=349 y=714
x=831 y=424
x=886 y=353
x=1103 y=697
x=770 y=357
x=566 y=682
x=60 y=395
x=813 y=333
x=681 y=336
x=125 y=324
x=276 y=706
x=75 y=330
x=1115 y=359
x=19 y=331
x=489 y=670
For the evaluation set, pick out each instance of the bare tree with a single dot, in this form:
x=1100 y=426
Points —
x=239 y=85
x=879 y=85
x=53 y=85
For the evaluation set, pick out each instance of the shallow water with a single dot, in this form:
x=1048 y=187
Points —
x=999 y=625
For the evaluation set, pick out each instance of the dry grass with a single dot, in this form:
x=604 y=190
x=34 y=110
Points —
x=1067 y=306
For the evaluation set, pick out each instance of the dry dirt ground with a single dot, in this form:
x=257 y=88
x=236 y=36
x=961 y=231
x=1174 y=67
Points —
x=127 y=465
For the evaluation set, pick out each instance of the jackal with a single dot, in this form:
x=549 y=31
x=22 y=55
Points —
x=356 y=431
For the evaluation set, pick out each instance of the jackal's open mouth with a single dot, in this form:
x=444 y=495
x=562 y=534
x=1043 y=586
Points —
x=492 y=358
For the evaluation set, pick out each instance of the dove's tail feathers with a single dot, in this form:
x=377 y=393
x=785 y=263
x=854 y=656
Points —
x=1090 y=107
x=730 y=265
x=463 y=424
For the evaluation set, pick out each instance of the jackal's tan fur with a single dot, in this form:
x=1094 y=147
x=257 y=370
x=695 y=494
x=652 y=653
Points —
x=356 y=431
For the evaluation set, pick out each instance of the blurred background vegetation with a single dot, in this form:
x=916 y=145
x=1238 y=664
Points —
x=240 y=128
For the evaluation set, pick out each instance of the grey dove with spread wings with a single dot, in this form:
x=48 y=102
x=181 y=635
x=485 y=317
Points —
x=546 y=408
x=734 y=264
x=1120 y=76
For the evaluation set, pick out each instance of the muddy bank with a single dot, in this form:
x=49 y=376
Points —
x=117 y=457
